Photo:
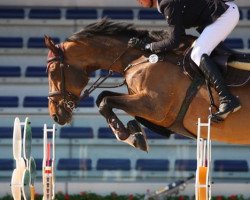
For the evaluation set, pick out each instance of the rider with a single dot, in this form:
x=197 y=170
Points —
x=215 y=20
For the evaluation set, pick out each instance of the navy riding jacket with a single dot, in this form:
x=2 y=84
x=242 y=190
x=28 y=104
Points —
x=183 y=14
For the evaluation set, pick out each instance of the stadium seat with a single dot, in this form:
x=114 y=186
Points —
x=234 y=43
x=37 y=133
x=113 y=164
x=241 y=14
x=248 y=14
x=104 y=72
x=76 y=132
x=50 y=13
x=11 y=42
x=82 y=13
x=6 y=164
x=105 y=133
x=152 y=135
x=11 y=13
x=181 y=137
x=35 y=101
x=118 y=14
x=9 y=101
x=74 y=164
x=87 y=102
x=38 y=42
x=6 y=132
x=92 y=74
x=39 y=164
x=230 y=166
x=10 y=71
x=36 y=71
x=185 y=165
x=152 y=165
x=146 y=14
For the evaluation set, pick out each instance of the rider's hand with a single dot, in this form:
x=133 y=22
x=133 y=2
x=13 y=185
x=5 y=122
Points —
x=137 y=43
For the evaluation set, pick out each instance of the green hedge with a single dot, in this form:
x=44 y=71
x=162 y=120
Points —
x=114 y=196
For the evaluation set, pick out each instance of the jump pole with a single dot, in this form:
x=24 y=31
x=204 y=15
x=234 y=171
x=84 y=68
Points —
x=203 y=174
x=48 y=163
x=23 y=176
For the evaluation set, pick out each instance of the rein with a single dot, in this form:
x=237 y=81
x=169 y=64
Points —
x=98 y=82
x=70 y=105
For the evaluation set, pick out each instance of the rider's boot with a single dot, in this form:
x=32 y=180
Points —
x=228 y=102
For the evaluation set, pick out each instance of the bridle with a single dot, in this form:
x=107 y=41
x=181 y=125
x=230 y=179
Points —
x=68 y=104
x=71 y=104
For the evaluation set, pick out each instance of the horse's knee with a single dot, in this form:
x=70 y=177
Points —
x=101 y=96
x=104 y=108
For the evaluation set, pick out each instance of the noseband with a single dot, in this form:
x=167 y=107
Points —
x=68 y=104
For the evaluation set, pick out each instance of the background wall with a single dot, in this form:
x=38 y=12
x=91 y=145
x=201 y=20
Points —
x=75 y=3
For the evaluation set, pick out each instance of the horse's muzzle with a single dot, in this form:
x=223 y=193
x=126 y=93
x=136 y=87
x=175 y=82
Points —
x=62 y=116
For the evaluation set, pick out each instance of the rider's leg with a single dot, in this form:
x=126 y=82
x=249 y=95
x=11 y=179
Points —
x=211 y=36
x=228 y=102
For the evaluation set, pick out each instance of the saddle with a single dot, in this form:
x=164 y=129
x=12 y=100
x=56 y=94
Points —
x=234 y=65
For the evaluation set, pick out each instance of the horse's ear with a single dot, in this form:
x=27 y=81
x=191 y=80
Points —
x=50 y=44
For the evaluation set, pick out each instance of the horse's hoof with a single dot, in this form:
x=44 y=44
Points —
x=140 y=142
x=136 y=131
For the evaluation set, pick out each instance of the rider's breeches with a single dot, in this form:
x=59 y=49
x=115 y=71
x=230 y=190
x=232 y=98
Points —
x=215 y=33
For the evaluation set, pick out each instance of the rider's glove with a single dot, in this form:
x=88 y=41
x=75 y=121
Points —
x=140 y=44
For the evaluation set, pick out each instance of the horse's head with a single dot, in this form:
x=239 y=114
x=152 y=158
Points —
x=66 y=82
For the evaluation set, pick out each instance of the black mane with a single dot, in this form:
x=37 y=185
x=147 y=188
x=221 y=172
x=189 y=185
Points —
x=111 y=28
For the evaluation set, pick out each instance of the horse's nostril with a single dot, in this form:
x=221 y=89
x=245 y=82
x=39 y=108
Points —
x=55 y=117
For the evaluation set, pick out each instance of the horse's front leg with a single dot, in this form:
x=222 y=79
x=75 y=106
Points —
x=133 y=134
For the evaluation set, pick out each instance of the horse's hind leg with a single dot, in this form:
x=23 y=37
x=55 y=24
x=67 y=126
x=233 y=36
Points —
x=133 y=134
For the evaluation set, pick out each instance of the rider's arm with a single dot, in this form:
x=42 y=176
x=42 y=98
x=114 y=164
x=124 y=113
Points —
x=172 y=12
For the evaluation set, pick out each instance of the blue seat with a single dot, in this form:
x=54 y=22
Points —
x=6 y=164
x=38 y=42
x=113 y=164
x=35 y=101
x=42 y=13
x=248 y=14
x=81 y=13
x=231 y=166
x=249 y=44
x=11 y=13
x=37 y=133
x=39 y=164
x=6 y=132
x=118 y=14
x=146 y=14
x=11 y=42
x=185 y=165
x=152 y=164
x=105 y=133
x=9 y=101
x=104 y=72
x=76 y=132
x=87 y=102
x=152 y=135
x=234 y=43
x=10 y=71
x=241 y=14
x=74 y=164
x=36 y=71
x=181 y=137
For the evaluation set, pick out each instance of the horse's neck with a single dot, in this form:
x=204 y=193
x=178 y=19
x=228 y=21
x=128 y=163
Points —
x=117 y=56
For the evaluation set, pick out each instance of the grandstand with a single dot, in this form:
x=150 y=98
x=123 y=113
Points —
x=88 y=157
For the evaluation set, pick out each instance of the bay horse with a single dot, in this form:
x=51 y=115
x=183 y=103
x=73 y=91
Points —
x=156 y=90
